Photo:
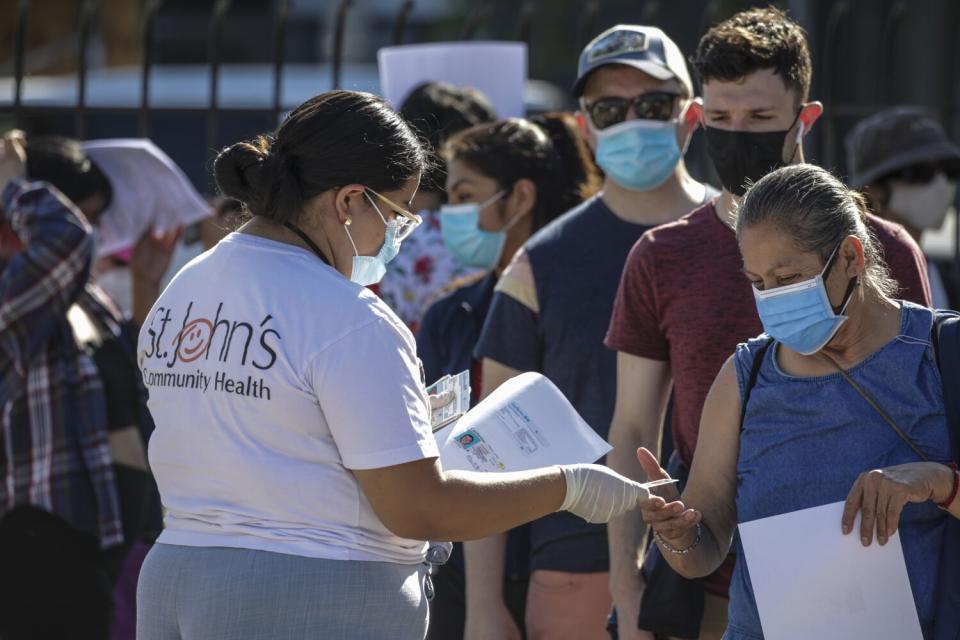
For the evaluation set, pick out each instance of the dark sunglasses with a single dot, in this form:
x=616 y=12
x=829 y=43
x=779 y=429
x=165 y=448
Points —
x=925 y=172
x=606 y=112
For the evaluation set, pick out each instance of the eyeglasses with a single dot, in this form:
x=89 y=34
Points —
x=606 y=112
x=924 y=172
x=406 y=221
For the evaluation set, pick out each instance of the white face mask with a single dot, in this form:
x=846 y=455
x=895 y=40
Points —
x=923 y=206
x=118 y=284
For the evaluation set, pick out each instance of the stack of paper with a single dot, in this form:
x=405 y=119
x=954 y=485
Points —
x=526 y=423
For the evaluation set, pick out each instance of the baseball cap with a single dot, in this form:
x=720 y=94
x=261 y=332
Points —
x=645 y=48
x=895 y=139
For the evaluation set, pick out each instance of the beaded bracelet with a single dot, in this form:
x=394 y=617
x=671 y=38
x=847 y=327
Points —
x=680 y=552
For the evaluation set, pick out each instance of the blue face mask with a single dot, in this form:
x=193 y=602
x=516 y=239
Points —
x=800 y=315
x=368 y=270
x=638 y=154
x=463 y=237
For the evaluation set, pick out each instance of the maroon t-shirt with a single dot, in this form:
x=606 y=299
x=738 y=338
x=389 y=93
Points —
x=684 y=299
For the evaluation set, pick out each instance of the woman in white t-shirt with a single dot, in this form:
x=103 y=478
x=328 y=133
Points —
x=293 y=448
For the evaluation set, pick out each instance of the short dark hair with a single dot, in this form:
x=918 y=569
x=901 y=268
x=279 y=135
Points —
x=436 y=111
x=63 y=163
x=752 y=40
x=513 y=149
x=331 y=140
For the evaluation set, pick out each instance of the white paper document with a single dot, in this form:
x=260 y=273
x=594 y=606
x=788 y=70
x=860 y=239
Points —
x=150 y=192
x=498 y=69
x=526 y=423
x=811 y=581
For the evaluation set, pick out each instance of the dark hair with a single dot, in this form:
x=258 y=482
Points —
x=510 y=150
x=817 y=211
x=436 y=111
x=752 y=40
x=63 y=163
x=578 y=164
x=329 y=141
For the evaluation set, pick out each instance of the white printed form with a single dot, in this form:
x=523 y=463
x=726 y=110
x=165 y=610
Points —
x=525 y=424
x=811 y=581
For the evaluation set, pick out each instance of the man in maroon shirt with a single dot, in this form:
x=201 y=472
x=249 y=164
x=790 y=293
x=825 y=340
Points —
x=683 y=303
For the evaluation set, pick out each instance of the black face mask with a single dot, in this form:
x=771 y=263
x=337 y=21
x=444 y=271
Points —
x=742 y=156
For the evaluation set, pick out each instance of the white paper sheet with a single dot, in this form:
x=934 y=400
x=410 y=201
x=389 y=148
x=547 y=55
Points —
x=811 y=581
x=526 y=423
x=498 y=69
x=150 y=192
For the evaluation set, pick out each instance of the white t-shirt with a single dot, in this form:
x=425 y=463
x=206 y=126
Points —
x=270 y=376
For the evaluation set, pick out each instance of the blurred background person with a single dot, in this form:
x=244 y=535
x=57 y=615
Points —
x=435 y=111
x=227 y=216
x=139 y=201
x=552 y=306
x=78 y=493
x=505 y=181
x=907 y=167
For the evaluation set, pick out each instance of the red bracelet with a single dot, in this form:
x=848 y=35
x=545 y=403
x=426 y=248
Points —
x=956 y=485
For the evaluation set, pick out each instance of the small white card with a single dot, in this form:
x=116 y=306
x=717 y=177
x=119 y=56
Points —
x=460 y=386
x=811 y=581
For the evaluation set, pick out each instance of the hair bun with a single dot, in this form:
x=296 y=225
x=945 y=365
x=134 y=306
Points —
x=239 y=171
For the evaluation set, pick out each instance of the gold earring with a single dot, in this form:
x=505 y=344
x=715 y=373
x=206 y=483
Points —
x=348 y=221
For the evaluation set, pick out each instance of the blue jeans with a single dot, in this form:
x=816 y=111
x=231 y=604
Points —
x=216 y=593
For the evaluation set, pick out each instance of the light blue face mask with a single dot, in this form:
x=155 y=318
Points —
x=463 y=237
x=800 y=315
x=638 y=154
x=368 y=270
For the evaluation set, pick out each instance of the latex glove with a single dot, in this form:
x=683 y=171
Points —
x=598 y=494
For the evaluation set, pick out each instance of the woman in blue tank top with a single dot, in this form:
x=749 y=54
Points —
x=809 y=436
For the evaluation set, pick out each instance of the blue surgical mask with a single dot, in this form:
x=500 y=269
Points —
x=368 y=270
x=638 y=154
x=800 y=315
x=463 y=237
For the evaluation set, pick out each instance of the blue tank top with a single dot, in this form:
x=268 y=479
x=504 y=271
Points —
x=806 y=440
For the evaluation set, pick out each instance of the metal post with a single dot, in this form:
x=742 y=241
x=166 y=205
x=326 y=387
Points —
x=709 y=13
x=400 y=23
x=891 y=25
x=339 y=28
x=88 y=10
x=283 y=11
x=18 y=61
x=220 y=10
x=526 y=19
x=149 y=15
x=588 y=21
x=474 y=20
x=649 y=12
x=830 y=35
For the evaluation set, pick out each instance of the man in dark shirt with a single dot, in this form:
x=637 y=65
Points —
x=553 y=304
x=684 y=304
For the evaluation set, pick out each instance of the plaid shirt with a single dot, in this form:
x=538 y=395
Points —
x=54 y=452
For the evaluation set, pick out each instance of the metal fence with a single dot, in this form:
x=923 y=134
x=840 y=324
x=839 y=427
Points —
x=828 y=22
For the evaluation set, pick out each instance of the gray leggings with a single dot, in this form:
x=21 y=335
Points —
x=215 y=593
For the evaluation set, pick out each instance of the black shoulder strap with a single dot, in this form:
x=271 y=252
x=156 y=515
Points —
x=945 y=340
x=752 y=380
